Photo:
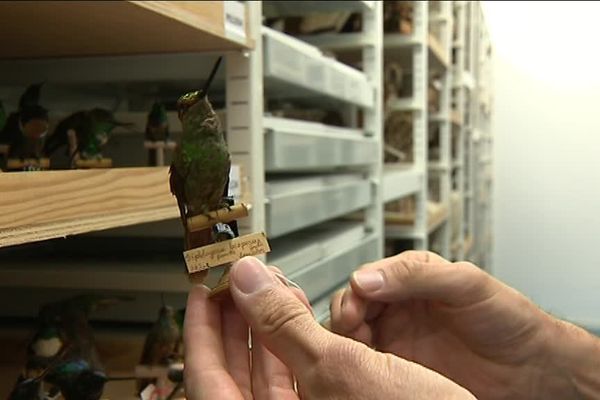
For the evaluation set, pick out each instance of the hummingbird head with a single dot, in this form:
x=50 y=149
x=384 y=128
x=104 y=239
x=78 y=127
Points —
x=167 y=312
x=188 y=101
x=185 y=102
x=158 y=113
x=194 y=103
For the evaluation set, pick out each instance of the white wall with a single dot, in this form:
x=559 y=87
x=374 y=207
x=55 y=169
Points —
x=547 y=153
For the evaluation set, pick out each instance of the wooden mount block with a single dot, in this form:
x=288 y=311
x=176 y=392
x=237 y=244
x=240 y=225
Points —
x=221 y=291
x=17 y=164
x=200 y=222
x=4 y=148
x=101 y=163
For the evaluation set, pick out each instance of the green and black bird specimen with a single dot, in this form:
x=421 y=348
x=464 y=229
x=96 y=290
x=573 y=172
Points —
x=64 y=344
x=160 y=347
x=157 y=124
x=157 y=128
x=76 y=379
x=200 y=168
x=84 y=134
x=26 y=129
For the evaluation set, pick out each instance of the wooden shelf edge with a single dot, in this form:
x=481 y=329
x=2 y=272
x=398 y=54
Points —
x=120 y=28
x=53 y=230
x=52 y=204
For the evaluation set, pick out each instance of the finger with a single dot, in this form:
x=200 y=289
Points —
x=349 y=311
x=299 y=293
x=271 y=379
x=235 y=344
x=335 y=312
x=281 y=321
x=206 y=376
x=455 y=284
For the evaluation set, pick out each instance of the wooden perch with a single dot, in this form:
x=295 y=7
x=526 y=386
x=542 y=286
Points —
x=17 y=164
x=93 y=163
x=224 y=215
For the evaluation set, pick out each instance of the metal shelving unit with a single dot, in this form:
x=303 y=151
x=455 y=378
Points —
x=472 y=102
x=317 y=173
x=301 y=174
x=428 y=55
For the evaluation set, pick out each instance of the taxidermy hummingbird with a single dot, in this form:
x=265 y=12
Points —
x=64 y=326
x=200 y=168
x=84 y=133
x=76 y=379
x=25 y=130
x=157 y=128
x=160 y=347
x=157 y=125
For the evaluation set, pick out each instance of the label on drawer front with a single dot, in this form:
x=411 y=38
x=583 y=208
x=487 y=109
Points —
x=235 y=20
x=225 y=252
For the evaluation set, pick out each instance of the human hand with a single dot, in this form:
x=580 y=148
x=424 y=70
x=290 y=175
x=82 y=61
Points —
x=288 y=347
x=457 y=320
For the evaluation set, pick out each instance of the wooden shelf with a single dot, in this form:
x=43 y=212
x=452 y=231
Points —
x=43 y=205
x=82 y=28
x=402 y=223
x=437 y=51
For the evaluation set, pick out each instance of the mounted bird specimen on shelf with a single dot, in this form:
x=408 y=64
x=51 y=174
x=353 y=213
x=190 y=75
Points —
x=63 y=347
x=199 y=178
x=157 y=125
x=161 y=345
x=24 y=132
x=84 y=134
x=158 y=135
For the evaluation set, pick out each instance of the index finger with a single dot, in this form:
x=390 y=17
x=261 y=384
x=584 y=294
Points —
x=206 y=375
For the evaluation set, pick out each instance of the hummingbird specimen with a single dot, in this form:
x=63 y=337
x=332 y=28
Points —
x=63 y=327
x=25 y=130
x=76 y=379
x=199 y=173
x=157 y=128
x=84 y=133
x=160 y=347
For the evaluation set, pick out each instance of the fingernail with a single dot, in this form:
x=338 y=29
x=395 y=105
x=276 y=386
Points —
x=250 y=275
x=369 y=280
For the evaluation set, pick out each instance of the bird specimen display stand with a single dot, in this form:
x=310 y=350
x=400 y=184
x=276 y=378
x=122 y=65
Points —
x=28 y=164
x=220 y=255
x=158 y=149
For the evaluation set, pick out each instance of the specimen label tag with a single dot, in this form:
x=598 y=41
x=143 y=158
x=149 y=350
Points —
x=226 y=252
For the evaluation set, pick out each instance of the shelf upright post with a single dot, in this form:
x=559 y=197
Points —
x=460 y=100
x=445 y=128
x=245 y=109
x=469 y=55
x=373 y=67
x=420 y=123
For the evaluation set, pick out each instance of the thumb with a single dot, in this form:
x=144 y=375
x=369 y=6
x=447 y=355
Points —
x=401 y=278
x=276 y=315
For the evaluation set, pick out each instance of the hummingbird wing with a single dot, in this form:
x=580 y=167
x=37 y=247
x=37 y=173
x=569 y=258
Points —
x=192 y=239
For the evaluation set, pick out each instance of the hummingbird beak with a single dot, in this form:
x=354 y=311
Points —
x=215 y=68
